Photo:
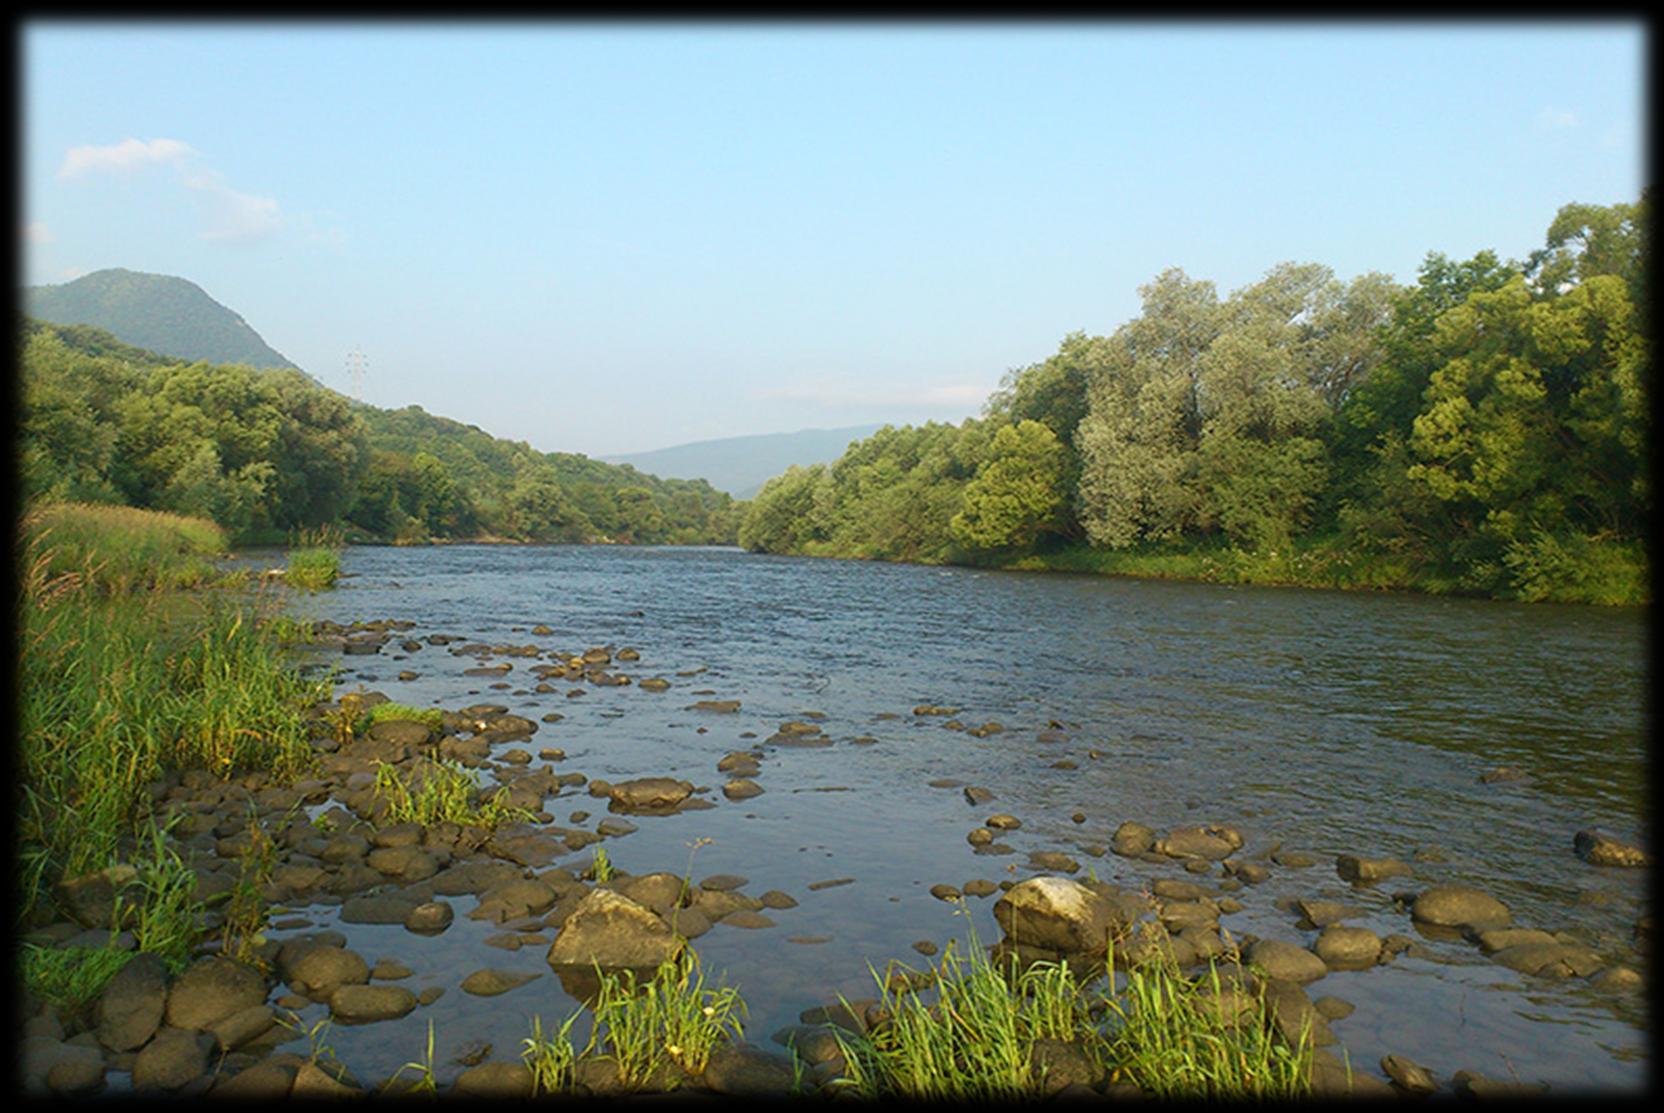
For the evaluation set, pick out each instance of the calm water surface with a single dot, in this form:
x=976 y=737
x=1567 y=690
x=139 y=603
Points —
x=1328 y=722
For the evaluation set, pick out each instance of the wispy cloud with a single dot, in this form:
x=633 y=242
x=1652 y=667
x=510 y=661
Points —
x=1556 y=119
x=123 y=157
x=233 y=215
x=37 y=232
x=230 y=215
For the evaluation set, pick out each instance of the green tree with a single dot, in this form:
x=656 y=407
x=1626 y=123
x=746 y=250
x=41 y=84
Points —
x=1139 y=438
x=1018 y=493
x=540 y=510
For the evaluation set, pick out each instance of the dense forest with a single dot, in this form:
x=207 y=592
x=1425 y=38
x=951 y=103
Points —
x=1483 y=431
x=267 y=453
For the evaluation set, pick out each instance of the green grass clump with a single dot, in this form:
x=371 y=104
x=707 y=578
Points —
x=643 y=1026
x=381 y=712
x=116 y=549
x=970 y=1036
x=70 y=978
x=315 y=560
x=1174 y=1040
x=440 y=791
x=552 y=1058
x=967 y=1031
x=167 y=917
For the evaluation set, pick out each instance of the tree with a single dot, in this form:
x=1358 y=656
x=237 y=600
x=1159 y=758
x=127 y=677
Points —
x=1138 y=439
x=1018 y=493
x=782 y=517
x=539 y=509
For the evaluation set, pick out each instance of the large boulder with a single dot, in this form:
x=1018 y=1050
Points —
x=360 y=1004
x=90 y=900
x=1058 y=914
x=649 y=793
x=611 y=930
x=212 y=989
x=1459 y=906
x=1286 y=961
x=131 y=1006
x=319 y=971
x=173 y=1058
x=1207 y=843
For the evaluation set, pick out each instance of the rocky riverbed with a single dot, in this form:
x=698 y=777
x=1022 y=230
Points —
x=375 y=923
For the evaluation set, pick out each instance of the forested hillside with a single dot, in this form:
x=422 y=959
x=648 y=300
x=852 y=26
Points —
x=1484 y=431
x=267 y=453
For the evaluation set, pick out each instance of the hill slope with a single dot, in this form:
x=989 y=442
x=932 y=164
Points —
x=157 y=312
x=741 y=465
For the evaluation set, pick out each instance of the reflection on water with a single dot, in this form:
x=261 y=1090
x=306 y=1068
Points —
x=1327 y=722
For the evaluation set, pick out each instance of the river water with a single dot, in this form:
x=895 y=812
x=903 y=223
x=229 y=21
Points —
x=1333 y=723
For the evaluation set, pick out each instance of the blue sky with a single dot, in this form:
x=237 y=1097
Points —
x=610 y=238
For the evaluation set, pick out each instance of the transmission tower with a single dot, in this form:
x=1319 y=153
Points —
x=357 y=364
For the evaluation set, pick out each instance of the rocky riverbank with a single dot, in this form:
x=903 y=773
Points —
x=231 y=1023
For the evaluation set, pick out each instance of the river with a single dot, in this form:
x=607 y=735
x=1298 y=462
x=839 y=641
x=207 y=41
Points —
x=1329 y=722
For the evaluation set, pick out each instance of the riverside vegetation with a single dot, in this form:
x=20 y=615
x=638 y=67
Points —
x=1484 y=431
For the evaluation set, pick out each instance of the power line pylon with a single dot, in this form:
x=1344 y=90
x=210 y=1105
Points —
x=357 y=364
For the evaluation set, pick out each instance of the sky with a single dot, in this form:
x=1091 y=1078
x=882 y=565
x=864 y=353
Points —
x=609 y=238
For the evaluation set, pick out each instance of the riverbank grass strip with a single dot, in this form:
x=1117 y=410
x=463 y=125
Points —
x=115 y=550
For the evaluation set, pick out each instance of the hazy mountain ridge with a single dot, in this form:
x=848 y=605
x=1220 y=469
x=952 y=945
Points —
x=741 y=465
x=160 y=313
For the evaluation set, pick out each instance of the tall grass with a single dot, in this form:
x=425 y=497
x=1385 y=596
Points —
x=975 y=1039
x=70 y=978
x=439 y=791
x=642 y=1025
x=315 y=559
x=119 y=681
x=1181 y=1038
x=116 y=549
x=972 y=1034
x=552 y=1058
x=670 y=1016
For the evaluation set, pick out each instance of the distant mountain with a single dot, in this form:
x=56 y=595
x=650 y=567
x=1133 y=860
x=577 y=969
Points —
x=157 y=312
x=741 y=465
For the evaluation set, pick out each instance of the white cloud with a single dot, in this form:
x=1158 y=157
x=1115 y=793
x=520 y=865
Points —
x=123 y=157
x=37 y=232
x=231 y=216
x=1556 y=119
